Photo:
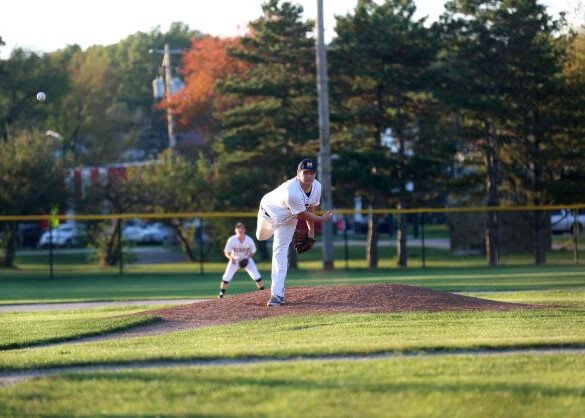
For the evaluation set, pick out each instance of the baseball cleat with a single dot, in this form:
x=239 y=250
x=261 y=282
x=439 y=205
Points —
x=275 y=301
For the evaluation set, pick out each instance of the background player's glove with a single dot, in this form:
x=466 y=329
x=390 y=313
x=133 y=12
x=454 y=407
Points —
x=243 y=263
x=302 y=242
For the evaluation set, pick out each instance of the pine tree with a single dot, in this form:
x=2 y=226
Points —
x=380 y=61
x=274 y=122
x=501 y=69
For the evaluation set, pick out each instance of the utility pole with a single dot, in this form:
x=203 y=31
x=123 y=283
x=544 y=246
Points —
x=168 y=75
x=168 y=78
x=325 y=148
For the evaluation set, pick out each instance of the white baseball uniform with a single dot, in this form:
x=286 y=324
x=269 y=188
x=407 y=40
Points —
x=239 y=250
x=278 y=216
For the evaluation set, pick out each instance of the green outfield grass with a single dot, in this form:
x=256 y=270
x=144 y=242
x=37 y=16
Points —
x=569 y=297
x=20 y=329
x=427 y=384
x=166 y=281
x=516 y=385
x=31 y=328
x=319 y=335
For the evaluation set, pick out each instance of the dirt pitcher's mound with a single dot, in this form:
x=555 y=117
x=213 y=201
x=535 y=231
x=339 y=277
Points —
x=328 y=299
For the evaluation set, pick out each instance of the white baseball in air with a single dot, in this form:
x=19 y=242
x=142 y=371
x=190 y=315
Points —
x=41 y=96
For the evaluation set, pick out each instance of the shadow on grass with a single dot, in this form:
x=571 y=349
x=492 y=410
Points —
x=72 y=338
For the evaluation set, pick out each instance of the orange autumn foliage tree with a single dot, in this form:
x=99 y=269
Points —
x=205 y=63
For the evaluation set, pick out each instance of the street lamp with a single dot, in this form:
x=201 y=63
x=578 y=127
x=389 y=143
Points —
x=57 y=136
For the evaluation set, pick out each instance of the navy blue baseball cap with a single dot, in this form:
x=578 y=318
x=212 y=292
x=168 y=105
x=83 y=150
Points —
x=307 y=164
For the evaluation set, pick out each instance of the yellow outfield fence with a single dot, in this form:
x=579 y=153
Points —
x=446 y=236
x=211 y=215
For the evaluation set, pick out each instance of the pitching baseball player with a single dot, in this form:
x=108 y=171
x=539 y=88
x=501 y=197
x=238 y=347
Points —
x=279 y=212
x=239 y=249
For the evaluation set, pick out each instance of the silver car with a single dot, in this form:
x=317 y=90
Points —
x=66 y=235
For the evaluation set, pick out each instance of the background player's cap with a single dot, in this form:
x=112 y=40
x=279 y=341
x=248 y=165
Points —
x=307 y=164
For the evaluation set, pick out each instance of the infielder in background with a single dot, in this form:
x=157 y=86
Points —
x=239 y=249
x=279 y=212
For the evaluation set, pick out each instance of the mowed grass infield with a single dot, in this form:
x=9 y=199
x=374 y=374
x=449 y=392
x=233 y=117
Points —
x=398 y=364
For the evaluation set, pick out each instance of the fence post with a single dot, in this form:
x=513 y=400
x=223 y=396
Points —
x=201 y=250
x=576 y=231
x=53 y=223
x=345 y=243
x=50 y=251
x=422 y=238
x=120 y=252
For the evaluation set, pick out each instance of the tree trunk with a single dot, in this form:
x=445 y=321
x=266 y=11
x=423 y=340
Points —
x=492 y=244
x=111 y=253
x=372 y=241
x=491 y=235
x=540 y=223
x=540 y=232
x=10 y=246
x=185 y=243
x=401 y=241
x=401 y=244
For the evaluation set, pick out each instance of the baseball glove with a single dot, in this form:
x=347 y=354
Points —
x=243 y=263
x=303 y=243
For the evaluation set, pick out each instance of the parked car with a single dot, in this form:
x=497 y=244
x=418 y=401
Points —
x=133 y=233
x=564 y=221
x=134 y=222
x=66 y=235
x=133 y=230
x=28 y=235
x=158 y=233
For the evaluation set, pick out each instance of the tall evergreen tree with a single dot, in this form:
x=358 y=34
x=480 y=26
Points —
x=568 y=166
x=473 y=53
x=379 y=64
x=535 y=56
x=501 y=69
x=274 y=122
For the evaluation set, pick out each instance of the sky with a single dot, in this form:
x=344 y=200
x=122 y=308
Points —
x=45 y=26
